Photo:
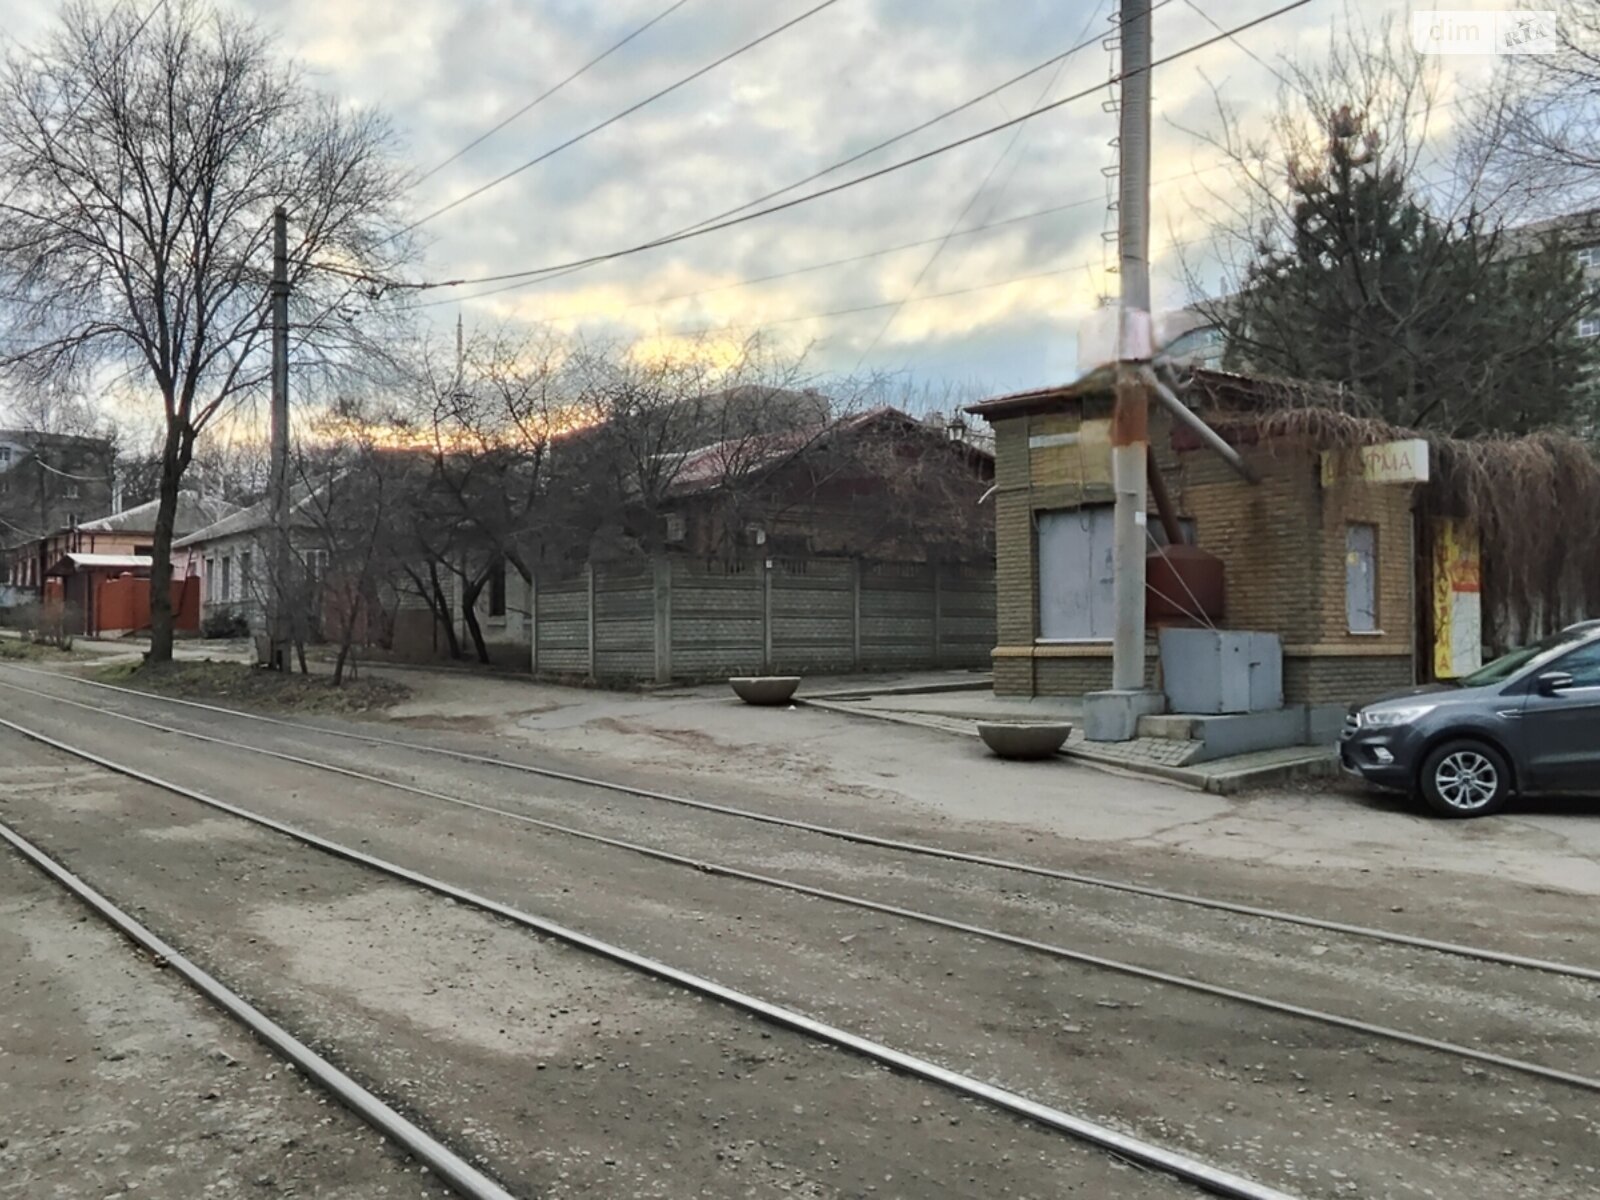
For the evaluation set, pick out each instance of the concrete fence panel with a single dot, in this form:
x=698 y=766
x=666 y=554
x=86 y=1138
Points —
x=680 y=618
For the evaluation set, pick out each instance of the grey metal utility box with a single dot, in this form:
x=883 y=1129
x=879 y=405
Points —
x=1221 y=670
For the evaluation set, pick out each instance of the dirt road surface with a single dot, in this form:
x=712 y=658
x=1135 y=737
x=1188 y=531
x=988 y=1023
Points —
x=547 y=1065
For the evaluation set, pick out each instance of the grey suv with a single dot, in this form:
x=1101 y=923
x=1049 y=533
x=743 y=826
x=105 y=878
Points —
x=1527 y=722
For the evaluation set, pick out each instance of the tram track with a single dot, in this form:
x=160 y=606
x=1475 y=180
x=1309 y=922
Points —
x=1155 y=1157
x=966 y=928
x=854 y=836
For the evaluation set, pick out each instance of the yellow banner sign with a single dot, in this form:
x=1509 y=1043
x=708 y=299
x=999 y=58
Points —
x=1457 y=599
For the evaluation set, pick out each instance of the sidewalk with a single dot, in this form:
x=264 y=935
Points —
x=957 y=712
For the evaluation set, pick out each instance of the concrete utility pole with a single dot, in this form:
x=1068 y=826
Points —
x=1130 y=422
x=278 y=481
x=1114 y=715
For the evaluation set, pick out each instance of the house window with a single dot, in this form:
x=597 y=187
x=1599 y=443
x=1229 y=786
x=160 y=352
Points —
x=316 y=563
x=211 y=581
x=244 y=574
x=1361 y=578
x=1589 y=327
x=226 y=592
x=497 y=589
x=5 y=456
x=676 y=528
x=1589 y=257
x=70 y=491
x=1077 y=602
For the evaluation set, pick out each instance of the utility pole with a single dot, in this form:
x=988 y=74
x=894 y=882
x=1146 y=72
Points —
x=1113 y=716
x=1130 y=422
x=278 y=481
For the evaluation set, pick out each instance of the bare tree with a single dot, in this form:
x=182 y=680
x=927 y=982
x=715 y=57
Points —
x=1364 y=247
x=142 y=159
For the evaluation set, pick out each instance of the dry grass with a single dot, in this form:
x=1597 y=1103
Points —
x=14 y=649
x=238 y=685
x=1534 y=499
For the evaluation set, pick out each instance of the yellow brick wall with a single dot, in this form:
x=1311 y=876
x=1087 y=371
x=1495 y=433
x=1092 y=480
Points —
x=1282 y=543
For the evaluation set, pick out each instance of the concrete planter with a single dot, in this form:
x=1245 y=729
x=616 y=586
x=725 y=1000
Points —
x=1024 y=740
x=765 y=689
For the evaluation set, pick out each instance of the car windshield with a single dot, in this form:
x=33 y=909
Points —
x=1507 y=665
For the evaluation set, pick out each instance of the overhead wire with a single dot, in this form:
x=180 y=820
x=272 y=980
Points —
x=614 y=118
x=550 y=91
x=983 y=186
x=821 y=193
x=841 y=163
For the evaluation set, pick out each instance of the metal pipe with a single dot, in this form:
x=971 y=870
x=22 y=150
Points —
x=1169 y=400
x=1163 y=499
x=446 y=1164
x=1191 y=1170
x=1459 y=949
x=1050 y=949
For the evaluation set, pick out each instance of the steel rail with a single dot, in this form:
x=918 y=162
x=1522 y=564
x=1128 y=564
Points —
x=455 y=1171
x=1148 y=1154
x=1190 y=983
x=1372 y=933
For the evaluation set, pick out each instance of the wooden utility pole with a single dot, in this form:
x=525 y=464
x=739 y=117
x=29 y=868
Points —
x=1130 y=434
x=278 y=480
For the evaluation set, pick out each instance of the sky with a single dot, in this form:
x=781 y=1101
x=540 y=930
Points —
x=851 y=75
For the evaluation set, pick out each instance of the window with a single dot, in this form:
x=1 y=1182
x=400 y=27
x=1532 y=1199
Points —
x=1583 y=665
x=1588 y=257
x=211 y=581
x=1589 y=327
x=676 y=529
x=497 y=589
x=145 y=551
x=5 y=456
x=1361 y=578
x=316 y=564
x=244 y=574
x=70 y=491
x=226 y=590
x=1076 y=590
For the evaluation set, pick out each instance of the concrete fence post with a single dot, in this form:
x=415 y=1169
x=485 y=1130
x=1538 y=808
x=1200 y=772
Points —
x=588 y=580
x=533 y=622
x=938 y=614
x=855 y=613
x=766 y=615
x=662 y=569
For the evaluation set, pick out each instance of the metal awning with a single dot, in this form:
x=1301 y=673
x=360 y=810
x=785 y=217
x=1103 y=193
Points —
x=71 y=564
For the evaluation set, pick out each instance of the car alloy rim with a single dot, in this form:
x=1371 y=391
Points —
x=1467 y=780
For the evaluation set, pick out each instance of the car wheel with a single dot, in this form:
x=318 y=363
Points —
x=1466 y=779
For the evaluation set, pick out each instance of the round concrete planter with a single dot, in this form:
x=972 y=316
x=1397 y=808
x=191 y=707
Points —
x=765 y=689
x=1016 y=739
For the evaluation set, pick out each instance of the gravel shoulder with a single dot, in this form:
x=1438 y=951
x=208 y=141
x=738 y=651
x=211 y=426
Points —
x=116 y=1080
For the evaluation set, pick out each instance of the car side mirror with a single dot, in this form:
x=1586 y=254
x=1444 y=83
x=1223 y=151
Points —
x=1553 y=683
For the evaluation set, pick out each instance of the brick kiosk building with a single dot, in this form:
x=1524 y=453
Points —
x=1327 y=566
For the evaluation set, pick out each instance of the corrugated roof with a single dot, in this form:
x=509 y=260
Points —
x=243 y=520
x=194 y=512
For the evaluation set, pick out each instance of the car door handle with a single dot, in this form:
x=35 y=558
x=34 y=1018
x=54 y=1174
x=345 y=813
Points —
x=1509 y=713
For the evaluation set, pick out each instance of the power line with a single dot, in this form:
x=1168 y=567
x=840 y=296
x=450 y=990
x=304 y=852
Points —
x=983 y=186
x=551 y=91
x=806 y=270
x=612 y=120
x=817 y=195
x=828 y=170
x=907 y=299
x=1081 y=202
x=1206 y=17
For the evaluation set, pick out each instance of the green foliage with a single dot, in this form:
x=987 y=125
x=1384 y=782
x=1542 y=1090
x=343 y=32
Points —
x=1457 y=326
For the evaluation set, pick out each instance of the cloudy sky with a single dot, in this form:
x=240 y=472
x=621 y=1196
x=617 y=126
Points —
x=849 y=76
